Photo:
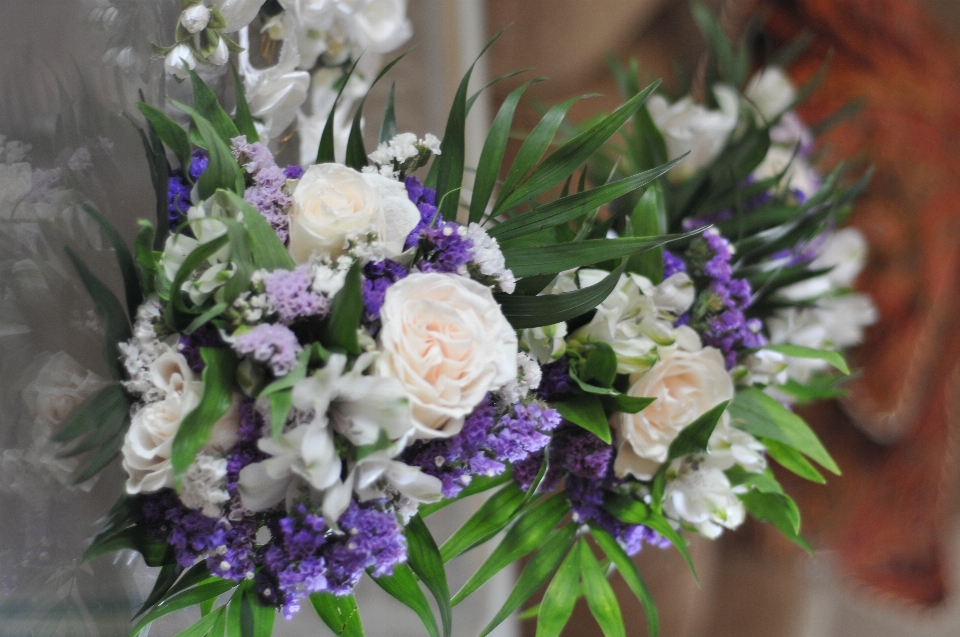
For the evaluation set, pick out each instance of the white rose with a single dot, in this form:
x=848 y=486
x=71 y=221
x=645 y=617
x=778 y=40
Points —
x=194 y=19
x=771 y=92
x=686 y=385
x=446 y=340
x=170 y=372
x=333 y=203
x=687 y=126
x=180 y=61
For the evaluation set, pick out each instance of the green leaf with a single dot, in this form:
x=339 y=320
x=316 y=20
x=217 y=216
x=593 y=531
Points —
x=222 y=171
x=185 y=599
x=625 y=508
x=205 y=625
x=116 y=328
x=194 y=260
x=778 y=509
x=764 y=417
x=491 y=157
x=600 y=596
x=256 y=618
x=449 y=165
x=404 y=587
x=356 y=154
x=695 y=436
x=600 y=365
x=833 y=357
x=166 y=578
x=218 y=377
x=524 y=536
x=533 y=147
x=220 y=626
x=280 y=404
x=108 y=451
x=206 y=104
x=154 y=552
x=573 y=206
x=649 y=219
x=660 y=524
x=388 y=127
x=479 y=484
x=820 y=387
x=626 y=404
x=269 y=252
x=425 y=561
x=169 y=132
x=560 y=597
x=491 y=518
x=537 y=311
x=586 y=411
x=559 y=257
x=792 y=460
x=345 y=310
x=565 y=160
x=630 y=574
x=537 y=571
x=102 y=406
x=326 y=153
x=764 y=482
x=128 y=270
x=145 y=259
x=243 y=119
x=340 y=614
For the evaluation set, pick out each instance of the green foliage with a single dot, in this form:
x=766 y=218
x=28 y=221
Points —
x=649 y=219
x=491 y=518
x=325 y=152
x=561 y=596
x=356 y=153
x=695 y=436
x=404 y=587
x=585 y=410
x=833 y=357
x=536 y=311
x=345 y=311
x=630 y=574
x=243 y=119
x=425 y=561
x=340 y=614
x=600 y=596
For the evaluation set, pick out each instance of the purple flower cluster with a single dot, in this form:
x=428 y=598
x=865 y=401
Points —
x=555 y=382
x=425 y=200
x=305 y=556
x=178 y=187
x=672 y=264
x=189 y=345
x=443 y=248
x=265 y=190
x=245 y=451
x=271 y=344
x=377 y=277
x=289 y=293
x=485 y=444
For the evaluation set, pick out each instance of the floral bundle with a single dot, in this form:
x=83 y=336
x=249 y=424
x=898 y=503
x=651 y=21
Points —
x=312 y=360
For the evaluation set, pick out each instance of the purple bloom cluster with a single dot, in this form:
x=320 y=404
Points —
x=425 y=200
x=672 y=264
x=245 y=451
x=289 y=293
x=485 y=444
x=444 y=249
x=178 y=187
x=305 y=556
x=189 y=345
x=555 y=382
x=293 y=171
x=271 y=344
x=377 y=277
x=265 y=190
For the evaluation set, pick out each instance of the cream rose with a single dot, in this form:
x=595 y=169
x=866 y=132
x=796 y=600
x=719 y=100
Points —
x=686 y=385
x=333 y=203
x=446 y=340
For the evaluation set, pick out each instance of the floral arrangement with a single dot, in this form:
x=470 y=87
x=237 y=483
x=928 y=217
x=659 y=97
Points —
x=311 y=360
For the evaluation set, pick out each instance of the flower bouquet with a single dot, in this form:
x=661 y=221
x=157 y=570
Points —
x=312 y=360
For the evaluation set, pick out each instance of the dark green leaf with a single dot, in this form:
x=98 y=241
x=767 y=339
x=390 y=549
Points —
x=404 y=587
x=340 y=614
x=185 y=599
x=218 y=378
x=537 y=311
x=222 y=171
x=108 y=451
x=491 y=518
x=170 y=133
x=131 y=283
x=600 y=596
x=425 y=561
x=205 y=626
x=524 y=536
x=388 y=128
x=206 y=104
x=269 y=252
x=280 y=404
x=537 y=571
x=626 y=404
x=100 y=407
x=166 y=578
x=326 y=153
x=695 y=436
x=778 y=509
x=356 y=154
x=243 y=119
x=116 y=328
x=818 y=388
x=660 y=524
x=586 y=411
x=560 y=596
x=479 y=484
x=649 y=219
x=345 y=311
x=833 y=357
x=792 y=460
x=600 y=366
x=146 y=262
x=625 y=508
x=256 y=618
x=764 y=417
x=631 y=575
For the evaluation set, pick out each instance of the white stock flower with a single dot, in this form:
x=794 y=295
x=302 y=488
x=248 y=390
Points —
x=771 y=92
x=845 y=253
x=488 y=257
x=547 y=343
x=333 y=203
x=688 y=126
x=195 y=19
x=180 y=61
x=528 y=379
x=204 y=485
x=685 y=385
x=764 y=367
x=701 y=495
x=446 y=340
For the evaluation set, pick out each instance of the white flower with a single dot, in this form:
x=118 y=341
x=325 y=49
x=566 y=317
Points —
x=431 y=143
x=180 y=61
x=765 y=367
x=798 y=175
x=771 y=92
x=195 y=19
x=446 y=340
x=238 y=13
x=547 y=343
x=845 y=253
x=274 y=94
x=489 y=259
x=139 y=353
x=687 y=126
x=328 y=279
x=220 y=55
x=170 y=372
x=730 y=446
x=701 y=495
x=685 y=385
x=204 y=485
x=61 y=385
x=333 y=203
x=380 y=25
x=528 y=379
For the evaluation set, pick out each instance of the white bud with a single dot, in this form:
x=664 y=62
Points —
x=195 y=19
x=180 y=61
x=221 y=54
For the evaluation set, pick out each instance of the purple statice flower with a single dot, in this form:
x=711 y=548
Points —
x=672 y=264
x=198 y=163
x=371 y=539
x=377 y=277
x=293 y=171
x=265 y=188
x=245 y=451
x=425 y=200
x=270 y=344
x=289 y=293
x=189 y=345
x=294 y=559
x=555 y=381
x=444 y=248
x=178 y=187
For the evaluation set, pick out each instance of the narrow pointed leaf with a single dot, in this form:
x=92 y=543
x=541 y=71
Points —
x=425 y=561
x=792 y=460
x=128 y=270
x=560 y=597
x=269 y=253
x=222 y=171
x=256 y=618
x=326 y=152
x=404 y=587
x=243 y=119
x=206 y=103
x=98 y=408
x=778 y=509
x=356 y=153
x=833 y=357
x=340 y=614
x=600 y=596
x=204 y=627
x=695 y=436
x=631 y=575
x=491 y=518
x=185 y=599
x=169 y=132
x=345 y=311
x=479 y=484
x=585 y=410
x=388 y=127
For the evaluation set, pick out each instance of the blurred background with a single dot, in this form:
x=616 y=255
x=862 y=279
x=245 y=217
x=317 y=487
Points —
x=887 y=531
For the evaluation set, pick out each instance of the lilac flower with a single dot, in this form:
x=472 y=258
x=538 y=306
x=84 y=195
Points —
x=444 y=248
x=271 y=344
x=377 y=277
x=425 y=199
x=266 y=192
x=289 y=293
